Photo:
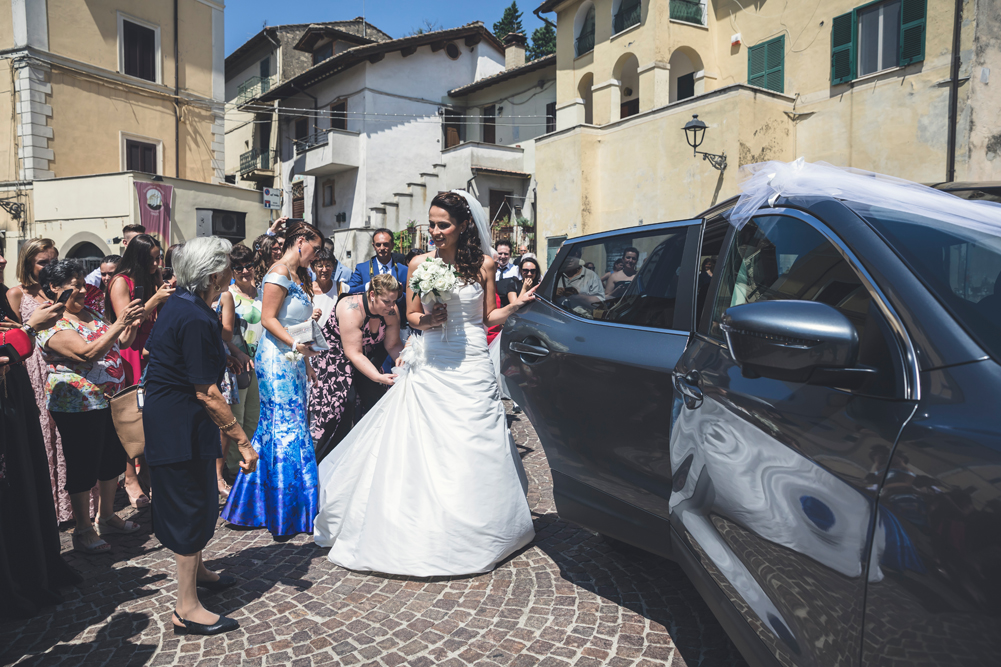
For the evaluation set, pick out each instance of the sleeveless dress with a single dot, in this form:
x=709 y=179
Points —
x=335 y=377
x=281 y=494
x=133 y=354
x=38 y=372
x=429 y=483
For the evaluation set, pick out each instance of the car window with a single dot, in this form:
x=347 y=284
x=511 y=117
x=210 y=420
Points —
x=961 y=266
x=627 y=279
x=712 y=242
x=779 y=257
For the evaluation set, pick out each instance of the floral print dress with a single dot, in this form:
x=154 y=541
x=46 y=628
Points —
x=335 y=377
x=282 y=493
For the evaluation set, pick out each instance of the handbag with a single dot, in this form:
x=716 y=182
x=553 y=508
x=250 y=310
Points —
x=308 y=333
x=127 y=414
x=15 y=345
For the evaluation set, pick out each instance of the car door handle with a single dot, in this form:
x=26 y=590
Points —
x=688 y=386
x=530 y=350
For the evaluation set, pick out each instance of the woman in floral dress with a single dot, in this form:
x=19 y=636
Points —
x=281 y=495
x=349 y=332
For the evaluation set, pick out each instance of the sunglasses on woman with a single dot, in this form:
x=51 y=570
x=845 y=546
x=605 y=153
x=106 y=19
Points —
x=237 y=268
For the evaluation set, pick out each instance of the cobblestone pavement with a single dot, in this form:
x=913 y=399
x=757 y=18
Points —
x=569 y=598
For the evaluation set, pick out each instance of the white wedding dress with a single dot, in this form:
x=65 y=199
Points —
x=429 y=483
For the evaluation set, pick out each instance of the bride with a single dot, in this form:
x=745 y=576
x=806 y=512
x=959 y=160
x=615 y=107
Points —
x=429 y=483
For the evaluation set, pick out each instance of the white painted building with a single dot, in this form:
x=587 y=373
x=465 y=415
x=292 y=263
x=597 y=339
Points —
x=361 y=129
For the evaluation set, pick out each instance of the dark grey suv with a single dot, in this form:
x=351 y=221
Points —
x=804 y=413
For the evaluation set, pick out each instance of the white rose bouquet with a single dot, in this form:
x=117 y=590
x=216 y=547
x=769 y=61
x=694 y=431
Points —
x=433 y=280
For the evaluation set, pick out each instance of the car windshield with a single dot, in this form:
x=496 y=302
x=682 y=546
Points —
x=961 y=266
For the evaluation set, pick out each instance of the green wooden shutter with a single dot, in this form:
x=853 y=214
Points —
x=843 y=48
x=912 y=31
x=766 y=65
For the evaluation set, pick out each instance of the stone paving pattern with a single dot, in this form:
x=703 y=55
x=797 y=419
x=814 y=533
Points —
x=569 y=598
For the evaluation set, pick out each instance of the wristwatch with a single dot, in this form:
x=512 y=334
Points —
x=28 y=329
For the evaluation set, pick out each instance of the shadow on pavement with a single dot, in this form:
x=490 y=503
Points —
x=651 y=586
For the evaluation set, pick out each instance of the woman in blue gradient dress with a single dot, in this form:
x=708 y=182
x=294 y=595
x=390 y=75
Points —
x=281 y=495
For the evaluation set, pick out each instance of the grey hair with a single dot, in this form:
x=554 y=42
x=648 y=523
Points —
x=198 y=259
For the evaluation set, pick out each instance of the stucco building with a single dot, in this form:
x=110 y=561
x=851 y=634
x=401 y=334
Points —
x=96 y=96
x=358 y=128
x=898 y=86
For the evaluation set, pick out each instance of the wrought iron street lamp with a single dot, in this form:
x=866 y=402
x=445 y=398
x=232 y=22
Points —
x=695 y=132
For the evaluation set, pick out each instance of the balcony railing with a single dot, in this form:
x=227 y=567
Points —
x=255 y=159
x=688 y=11
x=316 y=139
x=585 y=42
x=628 y=16
x=253 y=88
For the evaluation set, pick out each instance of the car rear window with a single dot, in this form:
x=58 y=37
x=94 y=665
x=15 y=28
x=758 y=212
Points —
x=961 y=266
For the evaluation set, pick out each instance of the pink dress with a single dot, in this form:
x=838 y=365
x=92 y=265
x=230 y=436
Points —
x=133 y=354
x=38 y=372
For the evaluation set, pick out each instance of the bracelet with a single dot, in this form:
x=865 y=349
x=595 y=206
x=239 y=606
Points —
x=30 y=330
x=228 y=426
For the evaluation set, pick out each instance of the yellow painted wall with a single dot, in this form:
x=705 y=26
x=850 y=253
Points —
x=8 y=137
x=6 y=26
x=640 y=168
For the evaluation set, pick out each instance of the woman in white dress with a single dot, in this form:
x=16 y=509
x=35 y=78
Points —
x=429 y=483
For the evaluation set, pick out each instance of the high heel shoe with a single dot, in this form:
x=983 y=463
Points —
x=222 y=583
x=224 y=624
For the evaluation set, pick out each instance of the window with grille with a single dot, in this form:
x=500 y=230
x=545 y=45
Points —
x=766 y=65
x=627 y=16
x=585 y=40
x=339 y=115
x=876 y=37
x=550 y=117
x=139 y=50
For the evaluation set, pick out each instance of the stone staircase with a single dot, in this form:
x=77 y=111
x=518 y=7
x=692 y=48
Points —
x=410 y=204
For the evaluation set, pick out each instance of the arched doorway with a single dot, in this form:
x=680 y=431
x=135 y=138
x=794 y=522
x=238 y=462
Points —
x=685 y=64
x=87 y=254
x=626 y=72
x=584 y=93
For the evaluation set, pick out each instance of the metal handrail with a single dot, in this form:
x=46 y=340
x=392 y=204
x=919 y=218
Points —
x=627 y=16
x=255 y=159
x=310 y=141
x=253 y=88
x=689 y=11
x=585 y=43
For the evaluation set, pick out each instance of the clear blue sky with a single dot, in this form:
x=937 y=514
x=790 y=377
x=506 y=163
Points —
x=245 y=18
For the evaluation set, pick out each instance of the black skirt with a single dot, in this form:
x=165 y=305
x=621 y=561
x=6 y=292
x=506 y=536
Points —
x=185 y=504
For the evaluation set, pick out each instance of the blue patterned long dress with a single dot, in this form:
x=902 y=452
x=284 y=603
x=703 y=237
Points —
x=281 y=495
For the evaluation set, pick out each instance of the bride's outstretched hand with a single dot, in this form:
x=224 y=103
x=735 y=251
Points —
x=527 y=296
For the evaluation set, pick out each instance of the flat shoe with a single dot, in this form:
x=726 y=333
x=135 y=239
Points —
x=140 y=502
x=222 y=583
x=107 y=528
x=224 y=624
x=98 y=547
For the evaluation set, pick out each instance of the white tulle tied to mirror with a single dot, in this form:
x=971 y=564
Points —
x=480 y=220
x=764 y=182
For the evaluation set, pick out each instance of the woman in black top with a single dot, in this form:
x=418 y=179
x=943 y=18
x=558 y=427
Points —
x=182 y=419
x=31 y=567
x=511 y=289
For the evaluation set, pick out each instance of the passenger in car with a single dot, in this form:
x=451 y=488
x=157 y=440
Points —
x=576 y=279
x=618 y=282
x=616 y=266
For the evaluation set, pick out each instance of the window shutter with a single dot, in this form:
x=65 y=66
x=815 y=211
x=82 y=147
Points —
x=843 y=48
x=912 y=31
x=766 y=65
x=756 y=65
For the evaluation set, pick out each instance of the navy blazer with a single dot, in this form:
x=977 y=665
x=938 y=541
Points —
x=363 y=275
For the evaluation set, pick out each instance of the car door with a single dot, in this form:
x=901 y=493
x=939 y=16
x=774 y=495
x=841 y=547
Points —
x=776 y=482
x=593 y=372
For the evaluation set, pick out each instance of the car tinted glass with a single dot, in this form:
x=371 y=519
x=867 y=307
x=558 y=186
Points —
x=778 y=257
x=962 y=267
x=641 y=292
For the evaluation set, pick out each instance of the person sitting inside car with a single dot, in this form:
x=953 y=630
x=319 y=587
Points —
x=578 y=281
x=618 y=282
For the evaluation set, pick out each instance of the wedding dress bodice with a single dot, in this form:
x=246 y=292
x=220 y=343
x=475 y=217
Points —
x=465 y=318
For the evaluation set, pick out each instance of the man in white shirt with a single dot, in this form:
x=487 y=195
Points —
x=505 y=268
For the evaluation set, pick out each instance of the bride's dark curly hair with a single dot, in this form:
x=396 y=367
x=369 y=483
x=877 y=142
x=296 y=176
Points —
x=468 y=254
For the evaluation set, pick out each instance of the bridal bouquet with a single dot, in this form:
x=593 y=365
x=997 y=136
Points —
x=433 y=280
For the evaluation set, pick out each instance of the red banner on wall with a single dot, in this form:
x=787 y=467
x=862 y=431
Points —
x=154 y=209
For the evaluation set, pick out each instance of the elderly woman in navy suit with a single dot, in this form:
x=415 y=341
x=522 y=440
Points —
x=183 y=416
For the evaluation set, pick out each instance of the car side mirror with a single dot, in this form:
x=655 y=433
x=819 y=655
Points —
x=795 y=341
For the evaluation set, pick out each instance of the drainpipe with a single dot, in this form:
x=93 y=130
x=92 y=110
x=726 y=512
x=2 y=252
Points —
x=544 y=19
x=950 y=158
x=177 y=109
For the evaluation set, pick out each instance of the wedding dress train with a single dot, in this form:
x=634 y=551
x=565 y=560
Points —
x=430 y=483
